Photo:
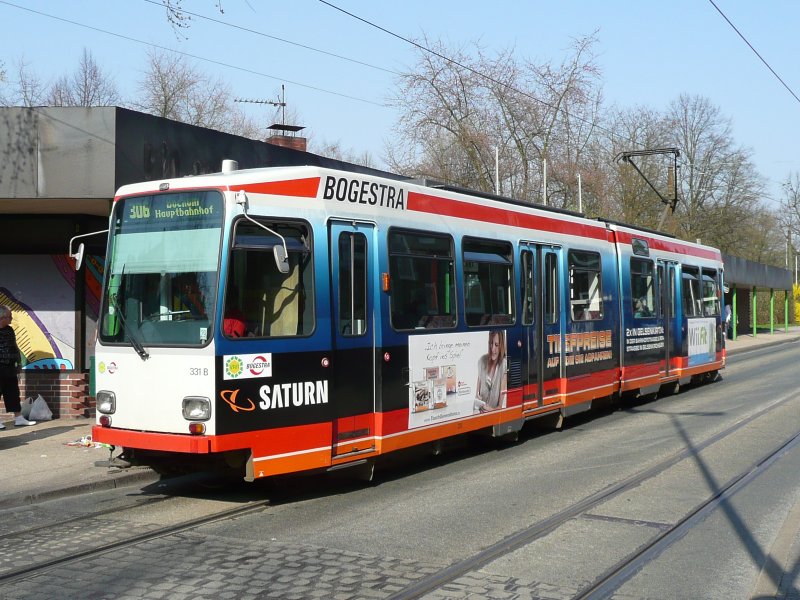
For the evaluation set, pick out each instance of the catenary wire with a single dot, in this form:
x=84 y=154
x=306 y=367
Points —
x=193 y=56
x=424 y=48
x=307 y=86
x=278 y=39
x=761 y=58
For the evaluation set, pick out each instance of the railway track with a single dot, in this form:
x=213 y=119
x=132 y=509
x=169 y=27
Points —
x=608 y=581
x=76 y=555
x=614 y=577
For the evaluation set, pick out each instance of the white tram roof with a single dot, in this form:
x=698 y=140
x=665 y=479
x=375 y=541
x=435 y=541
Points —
x=242 y=178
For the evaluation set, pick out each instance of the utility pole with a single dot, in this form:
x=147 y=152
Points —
x=497 y=170
x=544 y=181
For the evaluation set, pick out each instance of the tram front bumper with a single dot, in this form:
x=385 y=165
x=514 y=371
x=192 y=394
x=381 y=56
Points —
x=149 y=440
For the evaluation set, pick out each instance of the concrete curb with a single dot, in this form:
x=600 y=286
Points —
x=113 y=481
x=760 y=346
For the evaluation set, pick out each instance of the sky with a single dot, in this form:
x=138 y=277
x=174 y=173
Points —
x=338 y=72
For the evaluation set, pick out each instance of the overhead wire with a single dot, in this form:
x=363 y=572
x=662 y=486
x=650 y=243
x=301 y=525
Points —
x=279 y=39
x=761 y=58
x=193 y=56
x=474 y=71
x=316 y=88
x=419 y=46
x=368 y=65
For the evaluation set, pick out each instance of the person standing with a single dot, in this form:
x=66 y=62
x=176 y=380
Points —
x=10 y=365
x=728 y=331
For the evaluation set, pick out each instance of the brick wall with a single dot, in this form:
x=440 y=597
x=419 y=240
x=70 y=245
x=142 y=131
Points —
x=66 y=393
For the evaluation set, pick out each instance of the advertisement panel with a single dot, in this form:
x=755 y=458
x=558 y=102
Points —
x=455 y=375
x=702 y=341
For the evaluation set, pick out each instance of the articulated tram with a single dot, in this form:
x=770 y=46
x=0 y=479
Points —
x=290 y=319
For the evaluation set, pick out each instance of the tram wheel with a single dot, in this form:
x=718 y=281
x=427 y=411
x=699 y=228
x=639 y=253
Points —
x=669 y=389
x=509 y=439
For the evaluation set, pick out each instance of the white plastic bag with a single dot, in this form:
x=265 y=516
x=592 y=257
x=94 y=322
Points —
x=26 y=407
x=39 y=410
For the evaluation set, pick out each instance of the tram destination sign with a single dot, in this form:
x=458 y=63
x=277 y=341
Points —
x=183 y=210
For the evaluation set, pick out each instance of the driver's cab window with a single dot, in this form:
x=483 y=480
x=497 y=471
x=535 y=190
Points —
x=260 y=301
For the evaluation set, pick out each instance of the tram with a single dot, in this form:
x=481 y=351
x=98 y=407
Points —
x=290 y=319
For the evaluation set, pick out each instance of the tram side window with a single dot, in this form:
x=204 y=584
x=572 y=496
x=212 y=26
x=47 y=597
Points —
x=710 y=295
x=488 y=288
x=267 y=302
x=352 y=284
x=422 y=280
x=690 y=292
x=527 y=288
x=585 y=290
x=552 y=293
x=643 y=295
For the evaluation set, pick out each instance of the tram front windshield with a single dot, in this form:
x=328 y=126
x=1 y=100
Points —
x=161 y=280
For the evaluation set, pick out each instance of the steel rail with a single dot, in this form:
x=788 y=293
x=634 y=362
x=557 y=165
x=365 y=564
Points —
x=85 y=517
x=79 y=555
x=541 y=528
x=620 y=573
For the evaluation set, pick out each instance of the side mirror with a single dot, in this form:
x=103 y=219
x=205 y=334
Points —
x=281 y=259
x=279 y=251
x=78 y=256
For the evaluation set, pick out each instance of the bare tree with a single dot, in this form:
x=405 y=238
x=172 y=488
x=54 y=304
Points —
x=26 y=89
x=629 y=197
x=178 y=17
x=760 y=240
x=457 y=110
x=458 y=107
x=443 y=129
x=174 y=89
x=789 y=212
x=790 y=205
x=719 y=189
x=569 y=98
x=336 y=151
x=719 y=182
x=87 y=86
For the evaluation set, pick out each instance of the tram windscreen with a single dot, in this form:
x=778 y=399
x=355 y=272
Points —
x=161 y=280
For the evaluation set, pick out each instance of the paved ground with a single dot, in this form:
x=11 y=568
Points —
x=57 y=458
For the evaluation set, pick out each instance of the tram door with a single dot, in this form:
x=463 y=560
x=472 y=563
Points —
x=541 y=318
x=667 y=276
x=353 y=267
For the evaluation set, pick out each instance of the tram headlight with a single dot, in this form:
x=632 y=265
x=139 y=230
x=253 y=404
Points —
x=106 y=402
x=196 y=408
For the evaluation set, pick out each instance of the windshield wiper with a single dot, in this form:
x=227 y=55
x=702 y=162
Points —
x=137 y=345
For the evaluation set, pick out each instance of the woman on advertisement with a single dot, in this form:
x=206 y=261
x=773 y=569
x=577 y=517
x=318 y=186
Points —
x=490 y=390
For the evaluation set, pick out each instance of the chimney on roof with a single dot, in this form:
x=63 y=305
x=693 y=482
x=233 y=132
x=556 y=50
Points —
x=281 y=136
